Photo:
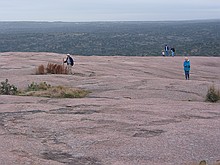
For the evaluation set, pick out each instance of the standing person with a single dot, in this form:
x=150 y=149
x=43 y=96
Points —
x=70 y=62
x=166 y=50
x=172 y=51
x=186 y=66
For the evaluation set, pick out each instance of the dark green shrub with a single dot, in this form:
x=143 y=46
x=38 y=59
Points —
x=212 y=95
x=8 y=89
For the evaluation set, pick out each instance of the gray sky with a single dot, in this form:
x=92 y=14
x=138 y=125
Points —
x=108 y=10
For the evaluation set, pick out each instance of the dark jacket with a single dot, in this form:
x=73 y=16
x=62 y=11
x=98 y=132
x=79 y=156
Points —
x=69 y=61
x=172 y=49
x=166 y=48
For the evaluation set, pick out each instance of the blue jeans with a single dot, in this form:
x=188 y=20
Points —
x=167 y=53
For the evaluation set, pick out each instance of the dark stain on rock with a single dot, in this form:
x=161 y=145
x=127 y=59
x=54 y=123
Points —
x=20 y=113
x=69 y=159
x=148 y=133
x=71 y=111
x=164 y=122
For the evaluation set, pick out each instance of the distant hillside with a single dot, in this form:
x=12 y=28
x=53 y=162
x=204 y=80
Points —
x=112 y=38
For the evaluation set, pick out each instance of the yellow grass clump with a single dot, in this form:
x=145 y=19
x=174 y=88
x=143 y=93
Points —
x=46 y=90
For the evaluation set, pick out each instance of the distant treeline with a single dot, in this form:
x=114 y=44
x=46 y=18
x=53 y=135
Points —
x=112 y=38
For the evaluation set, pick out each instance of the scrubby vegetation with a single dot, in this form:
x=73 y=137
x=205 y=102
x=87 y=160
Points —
x=36 y=87
x=112 y=38
x=46 y=90
x=213 y=95
x=8 y=89
x=43 y=90
x=51 y=69
x=58 y=92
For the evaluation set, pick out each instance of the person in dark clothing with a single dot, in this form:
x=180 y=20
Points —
x=70 y=62
x=166 y=48
x=172 y=51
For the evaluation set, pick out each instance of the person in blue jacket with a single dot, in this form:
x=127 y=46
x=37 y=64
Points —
x=186 y=66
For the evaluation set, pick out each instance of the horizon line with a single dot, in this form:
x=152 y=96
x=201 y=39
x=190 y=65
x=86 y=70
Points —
x=46 y=21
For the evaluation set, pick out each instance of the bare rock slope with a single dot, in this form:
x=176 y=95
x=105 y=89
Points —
x=141 y=111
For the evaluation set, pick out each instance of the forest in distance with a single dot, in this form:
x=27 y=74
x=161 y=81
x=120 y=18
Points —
x=197 y=38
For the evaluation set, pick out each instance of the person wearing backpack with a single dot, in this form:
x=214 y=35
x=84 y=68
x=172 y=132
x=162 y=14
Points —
x=172 y=51
x=70 y=62
x=186 y=66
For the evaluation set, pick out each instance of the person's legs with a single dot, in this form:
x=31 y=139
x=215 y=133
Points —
x=167 y=53
x=187 y=75
x=69 y=69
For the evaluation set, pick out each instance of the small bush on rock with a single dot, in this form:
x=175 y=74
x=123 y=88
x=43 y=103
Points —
x=213 y=95
x=8 y=89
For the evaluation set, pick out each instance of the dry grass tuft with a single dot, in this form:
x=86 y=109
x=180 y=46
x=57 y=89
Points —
x=52 y=69
x=40 y=69
x=56 y=69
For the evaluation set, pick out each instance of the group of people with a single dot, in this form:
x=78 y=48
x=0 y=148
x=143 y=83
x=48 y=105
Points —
x=186 y=65
x=167 y=50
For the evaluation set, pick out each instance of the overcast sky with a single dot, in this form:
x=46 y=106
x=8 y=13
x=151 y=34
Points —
x=108 y=10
